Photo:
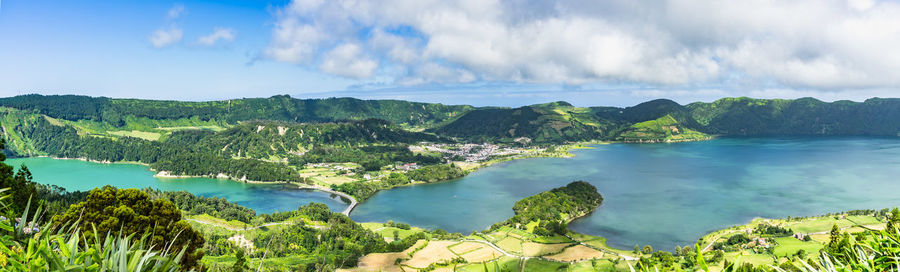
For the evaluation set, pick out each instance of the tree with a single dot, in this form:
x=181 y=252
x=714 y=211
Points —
x=22 y=190
x=133 y=212
x=834 y=239
x=648 y=249
x=894 y=221
x=801 y=254
x=240 y=263
x=718 y=256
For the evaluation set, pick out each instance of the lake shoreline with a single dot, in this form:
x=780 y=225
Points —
x=565 y=152
x=612 y=164
x=352 y=200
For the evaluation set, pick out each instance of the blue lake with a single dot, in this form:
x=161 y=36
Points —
x=667 y=194
x=656 y=194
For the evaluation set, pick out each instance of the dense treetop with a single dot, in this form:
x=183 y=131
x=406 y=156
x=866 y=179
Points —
x=132 y=212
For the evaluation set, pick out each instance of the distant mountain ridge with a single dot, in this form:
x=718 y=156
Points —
x=665 y=120
x=275 y=108
x=555 y=122
x=804 y=116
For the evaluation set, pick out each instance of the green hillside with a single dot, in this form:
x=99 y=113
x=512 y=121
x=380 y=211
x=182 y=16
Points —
x=561 y=122
x=118 y=112
x=257 y=150
x=664 y=120
x=552 y=122
x=805 y=116
x=658 y=120
x=663 y=129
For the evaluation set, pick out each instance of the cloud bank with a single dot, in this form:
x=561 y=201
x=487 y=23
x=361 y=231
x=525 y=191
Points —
x=759 y=44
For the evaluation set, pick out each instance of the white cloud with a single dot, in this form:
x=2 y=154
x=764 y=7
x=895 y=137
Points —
x=828 y=44
x=218 y=34
x=165 y=37
x=398 y=49
x=176 y=11
x=347 y=60
x=294 y=42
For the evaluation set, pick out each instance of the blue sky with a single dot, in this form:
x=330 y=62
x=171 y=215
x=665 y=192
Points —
x=487 y=52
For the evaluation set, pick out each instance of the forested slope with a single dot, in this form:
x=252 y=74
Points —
x=561 y=122
x=653 y=121
x=665 y=120
x=258 y=150
x=805 y=116
x=276 y=108
x=552 y=122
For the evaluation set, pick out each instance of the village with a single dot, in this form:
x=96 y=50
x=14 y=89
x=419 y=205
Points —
x=470 y=152
x=465 y=155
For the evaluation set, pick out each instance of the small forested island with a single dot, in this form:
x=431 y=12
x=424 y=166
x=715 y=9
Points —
x=548 y=213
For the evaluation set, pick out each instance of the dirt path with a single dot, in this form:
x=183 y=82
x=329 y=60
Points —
x=492 y=245
x=705 y=249
x=844 y=228
x=626 y=257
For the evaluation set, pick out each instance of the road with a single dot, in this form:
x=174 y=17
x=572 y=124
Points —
x=346 y=211
x=497 y=248
x=705 y=249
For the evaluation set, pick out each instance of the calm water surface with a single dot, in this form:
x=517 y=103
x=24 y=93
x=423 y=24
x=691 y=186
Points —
x=661 y=194
x=75 y=175
x=666 y=194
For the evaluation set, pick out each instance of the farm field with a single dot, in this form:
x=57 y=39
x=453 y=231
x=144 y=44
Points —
x=150 y=136
x=327 y=176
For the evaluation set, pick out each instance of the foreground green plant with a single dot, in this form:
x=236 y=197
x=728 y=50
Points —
x=869 y=251
x=873 y=251
x=24 y=248
x=61 y=252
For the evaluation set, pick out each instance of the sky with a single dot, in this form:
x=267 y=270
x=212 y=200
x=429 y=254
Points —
x=477 y=52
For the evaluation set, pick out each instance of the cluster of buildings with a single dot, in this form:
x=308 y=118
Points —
x=472 y=152
x=757 y=242
x=333 y=166
x=407 y=166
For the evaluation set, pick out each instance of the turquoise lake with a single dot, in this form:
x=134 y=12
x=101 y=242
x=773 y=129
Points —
x=76 y=175
x=654 y=194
